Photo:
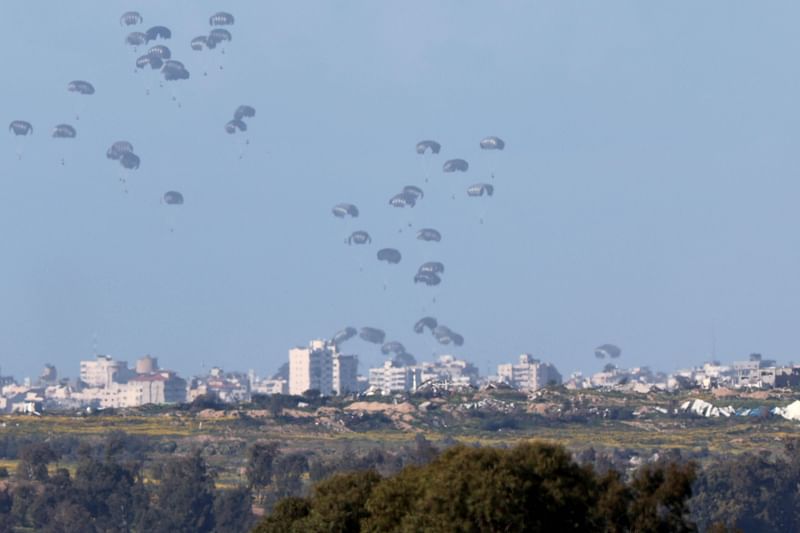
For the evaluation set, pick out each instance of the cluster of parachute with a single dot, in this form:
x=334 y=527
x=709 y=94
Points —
x=217 y=35
x=369 y=334
x=407 y=197
x=345 y=210
x=442 y=333
x=377 y=336
x=237 y=123
x=122 y=151
x=159 y=56
x=139 y=38
x=429 y=273
x=23 y=128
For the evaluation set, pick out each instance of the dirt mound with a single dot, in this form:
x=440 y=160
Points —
x=378 y=407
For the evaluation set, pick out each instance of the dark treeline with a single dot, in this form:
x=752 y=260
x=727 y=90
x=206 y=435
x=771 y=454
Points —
x=117 y=485
x=110 y=492
x=532 y=487
x=127 y=483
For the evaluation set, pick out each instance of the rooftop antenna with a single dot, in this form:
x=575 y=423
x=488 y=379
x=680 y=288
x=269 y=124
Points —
x=94 y=343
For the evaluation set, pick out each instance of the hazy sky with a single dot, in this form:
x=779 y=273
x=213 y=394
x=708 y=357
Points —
x=647 y=195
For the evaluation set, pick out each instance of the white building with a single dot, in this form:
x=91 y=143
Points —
x=270 y=386
x=747 y=373
x=529 y=375
x=104 y=371
x=157 y=388
x=311 y=368
x=345 y=374
x=390 y=378
x=448 y=368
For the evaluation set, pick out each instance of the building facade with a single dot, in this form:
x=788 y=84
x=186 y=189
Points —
x=529 y=374
x=311 y=368
x=345 y=374
x=391 y=378
x=103 y=371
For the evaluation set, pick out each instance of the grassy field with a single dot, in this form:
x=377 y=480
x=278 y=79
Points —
x=224 y=437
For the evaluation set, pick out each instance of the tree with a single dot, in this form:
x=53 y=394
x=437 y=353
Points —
x=532 y=487
x=287 y=517
x=260 y=460
x=34 y=460
x=233 y=511
x=660 y=498
x=287 y=474
x=184 y=499
x=113 y=494
x=340 y=501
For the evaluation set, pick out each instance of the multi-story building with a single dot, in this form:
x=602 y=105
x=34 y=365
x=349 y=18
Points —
x=157 y=388
x=391 y=378
x=448 y=368
x=530 y=374
x=270 y=386
x=345 y=373
x=311 y=368
x=104 y=371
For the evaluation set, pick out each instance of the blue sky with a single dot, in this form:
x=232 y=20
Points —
x=646 y=197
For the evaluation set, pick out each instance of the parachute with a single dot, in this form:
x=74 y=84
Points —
x=428 y=278
x=428 y=235
x=479 y=189
x=607 y=350
x=64 y=131
x=174 y=70
x=244 y=111
x=343 y=210
x=221 y=19
x=129 y=160
x=154 y=62
x=424 y=146
x=412 y=190
x=173 y=198
x=455 y=165
x=118 y=149
x=373 y=335
x=81 y=87
x=492 y=143
x=20 y=127
x=136 y=38
x=219 y=35
x=445 y=335
x=390 y=255
x=235 y=125
x=158 y=32
x=403 y=200
x=131 y=18
x=344 y=335
x=393 y=347
x=199 y=42
x=359 y=237
x=431 y=267
x=425 y=322
x=159 y=51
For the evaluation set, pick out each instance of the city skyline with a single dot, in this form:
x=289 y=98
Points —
x=645 y=196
